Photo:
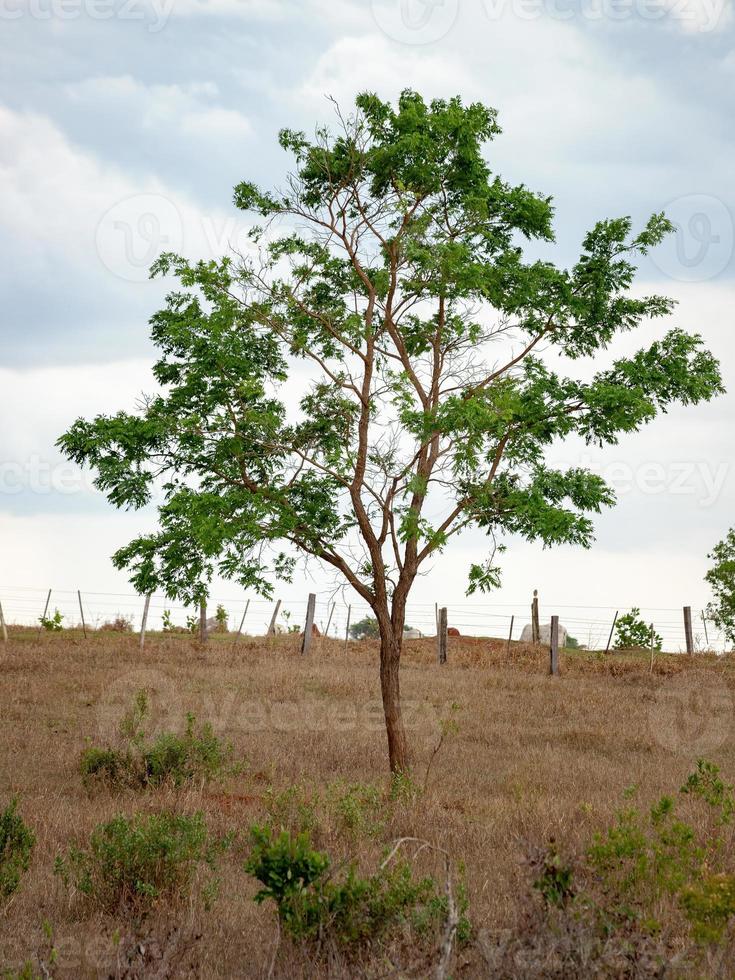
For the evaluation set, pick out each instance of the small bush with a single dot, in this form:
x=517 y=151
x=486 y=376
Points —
x=120 y=624
x=632 y=633
x=649 y=876
x=314 y=902
x=170 y=758
x=222 y=619
x=134 y=862
x=359 y=808
x=16 y=846
x=52 y=624
x=709 y=905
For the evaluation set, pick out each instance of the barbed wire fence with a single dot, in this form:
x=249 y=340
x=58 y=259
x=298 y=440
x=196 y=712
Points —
x=591 y=626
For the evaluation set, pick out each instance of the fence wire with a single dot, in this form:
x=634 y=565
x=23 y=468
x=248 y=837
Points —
x=589 y=625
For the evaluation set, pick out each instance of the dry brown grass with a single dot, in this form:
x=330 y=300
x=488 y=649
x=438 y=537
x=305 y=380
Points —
x=535 y=757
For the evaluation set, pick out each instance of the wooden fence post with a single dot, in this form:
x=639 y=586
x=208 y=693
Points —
x=310 y=608
x=650 y=669
x=441 y=636
x=554 y=648
x=144 y=621
x=347 y=630
x=242 y=621
x=329 y=618
x=535 y=628
x=688 y=630
x=274 y=617
x=2 y=625
x=45 y=611
x=202 y=620
x=81 y=613
x=612 y=630
x=510 y=635
x=704 y=623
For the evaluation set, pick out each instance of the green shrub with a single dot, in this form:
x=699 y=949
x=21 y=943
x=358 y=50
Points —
x=706 y=784
x=222 y=619
x=136 y=861
x=293 y=808
x=554 y=876
x=315 y=902
x=358 y=807
x=52 y=624
x=709 y=905
x=642 y=859
x=106 y=766
x=170 y=758
x=16 y=846
x=632 y=633
x=649 y=866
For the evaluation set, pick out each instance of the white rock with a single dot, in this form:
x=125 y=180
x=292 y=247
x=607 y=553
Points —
x=545 y=631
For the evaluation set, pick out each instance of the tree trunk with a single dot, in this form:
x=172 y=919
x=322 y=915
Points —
x=390 y=659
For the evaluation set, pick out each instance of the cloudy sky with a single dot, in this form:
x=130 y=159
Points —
x=124 y=125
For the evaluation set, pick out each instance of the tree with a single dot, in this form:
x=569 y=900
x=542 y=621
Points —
x=632 y=633
x=366 y=628
x=399 y=304
x=721 y=578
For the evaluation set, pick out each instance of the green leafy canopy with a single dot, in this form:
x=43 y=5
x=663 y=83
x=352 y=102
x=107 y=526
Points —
x=399 y=311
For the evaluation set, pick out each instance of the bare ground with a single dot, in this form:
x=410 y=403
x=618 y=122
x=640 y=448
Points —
x=533 y=758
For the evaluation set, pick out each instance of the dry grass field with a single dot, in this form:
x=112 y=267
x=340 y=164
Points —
x=527 y=758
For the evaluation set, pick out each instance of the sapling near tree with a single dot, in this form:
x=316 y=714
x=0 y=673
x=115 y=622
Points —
x=397 y=300
x=721 y=579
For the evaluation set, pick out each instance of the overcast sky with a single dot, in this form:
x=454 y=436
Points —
x=124 y=125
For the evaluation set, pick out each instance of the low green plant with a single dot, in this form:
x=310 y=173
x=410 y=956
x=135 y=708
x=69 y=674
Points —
x=358 y=807
x=52 y=624
x=290 y=627
x=26 y=972
x=17 y=841
x=649 y=864
x=314 y=901
x=706 y=784
x=134 y=862
x=709 y=905
x=641 y=859
x=197 y=754
x=554 y=876
x=222 y=619
x=632 y=633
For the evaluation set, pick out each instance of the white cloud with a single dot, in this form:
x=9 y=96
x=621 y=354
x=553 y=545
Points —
x=190 y=108
x=62 y=208
x=384 y=68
